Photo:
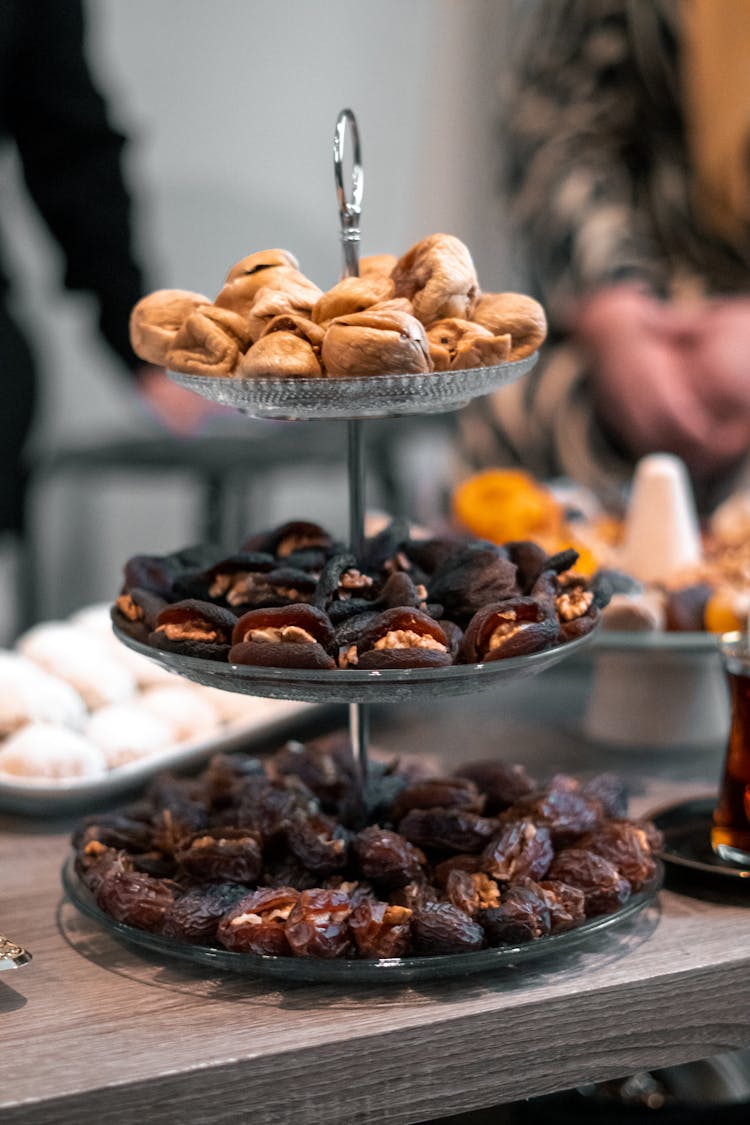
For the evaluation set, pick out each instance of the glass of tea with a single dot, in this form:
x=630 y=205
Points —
x=730 y=834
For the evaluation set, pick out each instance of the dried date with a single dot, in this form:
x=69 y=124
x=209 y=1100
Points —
x=380 y=929
x=523 y=915
x=437 y=792
x=134 y=898
x=387 y=858
x=439 y=928
x=522 y=850
x=501 y=783
x=567 y=905
x=447 y=829
x=235 y=856
x=318 y=925
x=471 y=892
x=604 y=888
x=318 y=842
x=195 y=915
x=625 y=844
x=257 y=923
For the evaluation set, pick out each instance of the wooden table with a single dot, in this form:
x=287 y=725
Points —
x=91 y=1028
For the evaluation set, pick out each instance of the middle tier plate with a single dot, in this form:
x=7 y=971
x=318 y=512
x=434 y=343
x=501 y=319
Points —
x=366 y=396
x=353 y=685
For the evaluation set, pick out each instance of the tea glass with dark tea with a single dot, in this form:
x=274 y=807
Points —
x=730 y=834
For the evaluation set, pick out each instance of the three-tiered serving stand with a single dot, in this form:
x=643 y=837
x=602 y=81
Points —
x=354 y=399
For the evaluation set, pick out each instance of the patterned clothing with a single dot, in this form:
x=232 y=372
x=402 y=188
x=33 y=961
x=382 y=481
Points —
x=600 y=187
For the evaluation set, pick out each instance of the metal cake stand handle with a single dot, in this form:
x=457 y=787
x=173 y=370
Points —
x=350 y=210
x=350 y=213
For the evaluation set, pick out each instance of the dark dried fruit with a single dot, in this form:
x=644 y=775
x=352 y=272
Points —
x=440 y=927
x=447 y=829
x=625 y=844
x=515 y=627
x=194 y=628
x=441 y=871
x=610 y=791
x=380 y=929
x=257 y=923
x=387 y=858
x=567 y=904
x=471 y=892
x=154 y=573
x=94 y=861
x=114 y=830
x=501 y=783
x=135 y=612
x=438 y=792
x=235 y=856
x=318 y=925
x=604 y=888
x=318 y=842
x=329 y=776
x=134 y=898
x=296 y=535
x=522 y=916
x=414 y=895
x=530 y=560
x=564 y=809
x=292 y=636
x=476 y=575
x=522 y=850
x=195 y=915
x=402 y=638
x=240 y=581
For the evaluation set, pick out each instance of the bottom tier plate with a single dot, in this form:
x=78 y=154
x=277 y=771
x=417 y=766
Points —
x=354 y=685
x=397 y=969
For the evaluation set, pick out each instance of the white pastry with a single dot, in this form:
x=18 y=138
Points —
x=27 y=694
x=126 y=732
x=232 y=706
x=80 y=658
x=44 y=752
x=189 y=713
x=97 y=620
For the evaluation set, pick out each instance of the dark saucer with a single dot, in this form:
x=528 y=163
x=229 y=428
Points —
x=686 y=828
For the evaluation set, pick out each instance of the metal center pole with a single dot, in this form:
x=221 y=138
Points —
x=359 y=716
x=350 y=210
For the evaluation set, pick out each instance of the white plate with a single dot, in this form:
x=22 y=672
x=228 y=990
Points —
x=275 y=718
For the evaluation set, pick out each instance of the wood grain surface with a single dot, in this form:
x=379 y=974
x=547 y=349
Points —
x=91 y=1027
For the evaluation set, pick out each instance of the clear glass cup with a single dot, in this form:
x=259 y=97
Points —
x=730 y=834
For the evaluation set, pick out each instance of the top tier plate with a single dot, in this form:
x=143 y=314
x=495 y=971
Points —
x=367 y=396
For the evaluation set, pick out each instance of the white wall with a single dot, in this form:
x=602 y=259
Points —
x=231 y=108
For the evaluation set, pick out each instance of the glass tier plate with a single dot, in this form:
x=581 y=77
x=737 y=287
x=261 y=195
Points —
x=392 y=969
x=367 y=396
x=354 y=685
x=657 y=641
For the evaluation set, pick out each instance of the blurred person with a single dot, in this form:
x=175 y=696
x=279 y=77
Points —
x=70 y=156
x=628 y=174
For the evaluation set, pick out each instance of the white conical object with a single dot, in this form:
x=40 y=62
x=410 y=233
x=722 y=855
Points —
x=661 y=525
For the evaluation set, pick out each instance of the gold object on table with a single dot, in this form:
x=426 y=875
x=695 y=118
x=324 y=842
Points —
x=12 y=956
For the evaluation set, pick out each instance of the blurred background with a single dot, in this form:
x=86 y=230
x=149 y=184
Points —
x=230 y=111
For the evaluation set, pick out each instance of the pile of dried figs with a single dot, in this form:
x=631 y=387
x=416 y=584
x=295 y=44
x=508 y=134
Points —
x=287 y=857
x=293 y=597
